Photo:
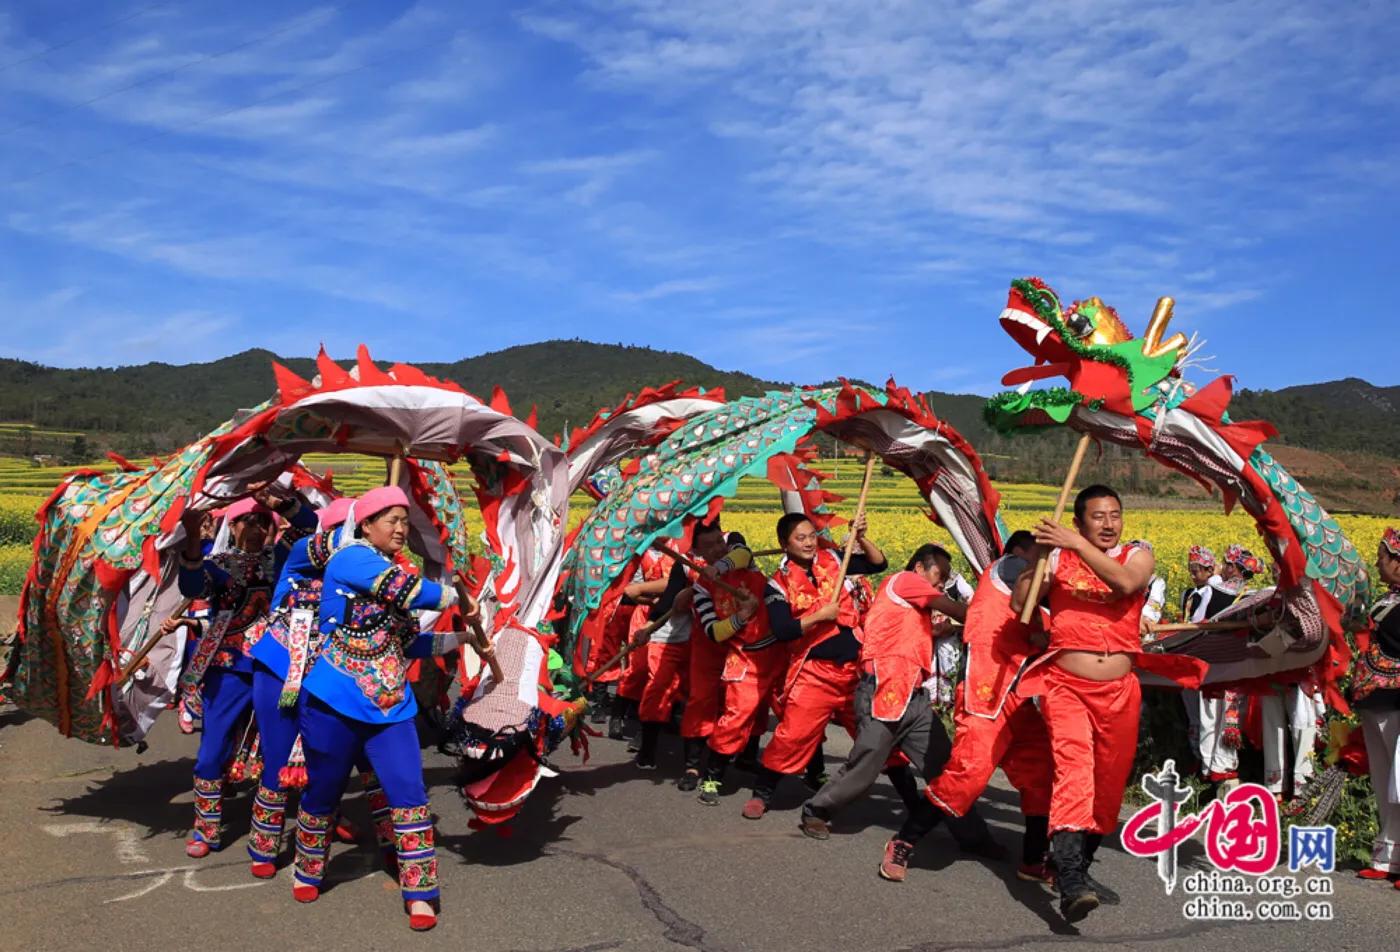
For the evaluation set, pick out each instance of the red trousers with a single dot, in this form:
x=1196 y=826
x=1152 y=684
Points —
x=1015 y=740
x=1093 y=728
x=746 y=700
x=633 y=683
x=823 y=691
x=666 y=671
x=607 y=647
x=705 y=692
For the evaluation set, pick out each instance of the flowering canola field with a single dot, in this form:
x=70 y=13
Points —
x=897 y=516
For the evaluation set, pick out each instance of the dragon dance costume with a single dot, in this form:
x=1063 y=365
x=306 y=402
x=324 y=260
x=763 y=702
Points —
x=753 y=664
x=238 y=586
x=995 y=724
x=820 y=681
x=356 y=703
x=282 y=651
x=892 y=703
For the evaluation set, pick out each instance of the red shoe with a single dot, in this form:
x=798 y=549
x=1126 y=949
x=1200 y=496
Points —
x=1042 y=873
x=421 y=921
x=755 y=808
x=345 y=832
x=1372 y=873
x=896 y=861
x=263 y=870
x=196 y=848
x=301 y=892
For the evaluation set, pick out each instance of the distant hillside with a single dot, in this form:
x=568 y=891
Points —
x=1344 y=434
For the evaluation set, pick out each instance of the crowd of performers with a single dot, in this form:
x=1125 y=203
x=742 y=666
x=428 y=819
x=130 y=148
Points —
x=318 y=622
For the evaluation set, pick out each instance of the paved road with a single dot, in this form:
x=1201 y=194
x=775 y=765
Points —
x=603 y=858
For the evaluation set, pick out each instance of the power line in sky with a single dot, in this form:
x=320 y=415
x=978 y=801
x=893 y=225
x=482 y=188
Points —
x=84 y=36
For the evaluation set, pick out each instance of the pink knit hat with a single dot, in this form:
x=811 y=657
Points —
x=334 y=514
x=376 y=501
x=246 y=507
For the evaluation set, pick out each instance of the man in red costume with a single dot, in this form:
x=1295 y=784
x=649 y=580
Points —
x=646 y=587
x=892 y=705
x=705 y=688
x=668 y=660
x=996 y=725
x=807 y=611
x=754 y=661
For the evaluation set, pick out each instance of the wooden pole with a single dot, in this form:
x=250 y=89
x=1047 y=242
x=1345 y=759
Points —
x=395 y=467
x=851 y=539
x=690 y=564
x=139 y=658
x=1180 y=626
x=1033 y=597
x=632 y=643
x=479 y=642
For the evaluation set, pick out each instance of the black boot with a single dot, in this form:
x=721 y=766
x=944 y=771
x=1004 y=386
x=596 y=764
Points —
x=748 y=757
x=715 y=765
x=622 y=709
x=649 y=736
x=694 y=755
x=905 y=784
x=598 y=704
x=815 y=774
x=1091 y=846
x=1035 y=845
x=1077 y=899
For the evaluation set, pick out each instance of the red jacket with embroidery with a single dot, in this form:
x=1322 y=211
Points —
x=1084 y=613
x=898 y=644
x=997 y=644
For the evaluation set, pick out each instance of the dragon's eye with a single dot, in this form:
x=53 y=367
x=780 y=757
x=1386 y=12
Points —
x=1079 y=325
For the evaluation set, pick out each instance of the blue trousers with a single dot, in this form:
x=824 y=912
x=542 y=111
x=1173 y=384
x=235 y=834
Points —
x=228 y=695
x=277 y=726
x=333 y=744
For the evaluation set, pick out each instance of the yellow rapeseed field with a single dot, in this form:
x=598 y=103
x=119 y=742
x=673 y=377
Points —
x=897 y=523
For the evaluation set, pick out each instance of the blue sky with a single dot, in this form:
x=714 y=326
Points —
x=798 y=190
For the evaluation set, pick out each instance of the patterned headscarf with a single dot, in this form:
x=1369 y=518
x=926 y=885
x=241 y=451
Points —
x=1391 y=541
x=1247 y=561
x=1200 y=555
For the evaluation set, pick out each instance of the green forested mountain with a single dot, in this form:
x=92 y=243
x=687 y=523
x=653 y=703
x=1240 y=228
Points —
x=155 y=407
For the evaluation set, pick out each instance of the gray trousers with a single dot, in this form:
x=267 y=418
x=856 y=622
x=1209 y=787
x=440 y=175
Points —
x=918 y=733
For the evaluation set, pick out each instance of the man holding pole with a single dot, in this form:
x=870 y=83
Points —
x=810 y=607
x=1095 y=588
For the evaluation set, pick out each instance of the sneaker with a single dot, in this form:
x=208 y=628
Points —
x=634 y=743
x=646 y=763
x=709 y=793
x=896 y=860
x=1042 y=873
x=615 y=725
x=755 y=808
x=688 y=781
x=814 y=826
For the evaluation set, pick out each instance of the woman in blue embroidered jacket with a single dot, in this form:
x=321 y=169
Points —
x=356 y=700
x=282 y=650
x=238 y=585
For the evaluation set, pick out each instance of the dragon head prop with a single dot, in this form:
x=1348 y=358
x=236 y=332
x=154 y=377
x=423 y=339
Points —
x=1090 y=346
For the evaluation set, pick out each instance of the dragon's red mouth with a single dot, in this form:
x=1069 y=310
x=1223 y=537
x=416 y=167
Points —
x=1038 y=339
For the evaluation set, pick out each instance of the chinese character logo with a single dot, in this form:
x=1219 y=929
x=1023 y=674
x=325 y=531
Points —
x=1312 y=846
x=1241 y=829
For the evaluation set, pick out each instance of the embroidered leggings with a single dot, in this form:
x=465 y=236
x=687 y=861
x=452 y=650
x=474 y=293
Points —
x=228 y=695
x=333 y=744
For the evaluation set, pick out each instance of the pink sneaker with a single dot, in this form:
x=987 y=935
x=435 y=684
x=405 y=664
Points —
x=755 y=808
x=896 y=860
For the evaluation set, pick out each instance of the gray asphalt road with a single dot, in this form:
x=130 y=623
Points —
x=602 y=858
